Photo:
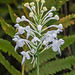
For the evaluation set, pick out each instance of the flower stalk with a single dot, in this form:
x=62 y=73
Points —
x=23 y=69
x=37 y=62
x=38 y=41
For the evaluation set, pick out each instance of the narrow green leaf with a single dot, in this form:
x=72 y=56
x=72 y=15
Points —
x=7 y=65
x=7 y=28
x=6 y=46
x=12 y=14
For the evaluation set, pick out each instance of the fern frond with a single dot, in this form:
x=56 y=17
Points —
x=12 y=14
x=55 y=66
x=49 y=54
x=6 y=46
x=7 y=65
x=70 y=73
x=67 y=21
x=56 y=3
x=7 y=28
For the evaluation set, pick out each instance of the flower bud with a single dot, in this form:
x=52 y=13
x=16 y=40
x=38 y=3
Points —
x=26 y=4
x=37 y=0
x=44 y=9
x=60 y=26
x=18 y=19
x=32 y=3
x=43 y=1
x=23 y=17
x=33 y=7
x=61 y=41
x=50 y=14
x=39 y=27
x=53 y=8
x=31 y=14
x=16 y=25
x=56 y=17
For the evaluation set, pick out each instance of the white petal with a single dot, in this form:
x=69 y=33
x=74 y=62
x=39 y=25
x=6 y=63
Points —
x=59 y=51
x=23 y=53
x=16 y=25
x=16 y=36
x=27 y=56
x=28 y=34
x=61 y=41
x=15 y=39
x=21 y=42
x=24 y=58
x=16 y=47
x=32 y=59
x=55 y=48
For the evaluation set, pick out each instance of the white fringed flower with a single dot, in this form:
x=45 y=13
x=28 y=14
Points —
x=44 y=9
x=25 y=56
x=32 y=52
x=39 y=40
x=39 y=27
x=31 y=14
x=19 y=42
x=43 y=1
x=18 y=19
x=32 y=3
x=56 y=17
x=29 y=31
x=20 y=29
x=35 y=39
x=26 y=4
x=50 y=37
x=53 y=8
x=56 y=45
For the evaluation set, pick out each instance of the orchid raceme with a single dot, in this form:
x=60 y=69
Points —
x=34 y=35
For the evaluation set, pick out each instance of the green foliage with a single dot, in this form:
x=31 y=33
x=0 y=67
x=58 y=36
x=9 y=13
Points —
x=7 y=28
x=56 y=3
x=67 y=20
x=7 y=65
x=6 y=46
x=6 y=1
x=49 y=54
x=12 y=14
x=55 y=66
x=70 y=73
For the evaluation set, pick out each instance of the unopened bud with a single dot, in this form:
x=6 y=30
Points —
x=56 y=17
x=26 y=4
x=53 y=8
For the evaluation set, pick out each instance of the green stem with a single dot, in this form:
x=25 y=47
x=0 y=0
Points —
x=23 y=70
x=37 y=62
x=38 y=7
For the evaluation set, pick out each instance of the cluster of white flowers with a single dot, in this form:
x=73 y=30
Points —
x=38 y=39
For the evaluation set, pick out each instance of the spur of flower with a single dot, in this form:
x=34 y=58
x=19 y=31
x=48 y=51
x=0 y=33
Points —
x=36 y=36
